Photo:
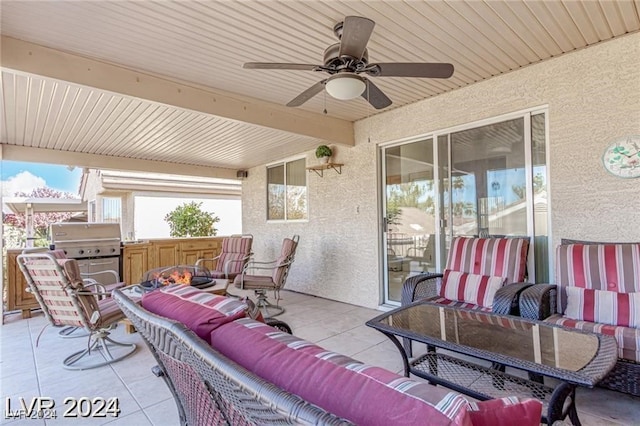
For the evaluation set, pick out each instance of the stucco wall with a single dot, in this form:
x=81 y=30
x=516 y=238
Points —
x=592 y=96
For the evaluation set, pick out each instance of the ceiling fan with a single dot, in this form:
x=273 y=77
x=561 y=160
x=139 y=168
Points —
x=347 y=60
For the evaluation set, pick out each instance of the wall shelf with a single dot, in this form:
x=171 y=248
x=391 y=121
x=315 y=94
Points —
x=320 y=168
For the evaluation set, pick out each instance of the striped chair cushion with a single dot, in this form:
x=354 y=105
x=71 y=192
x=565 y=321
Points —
x=457 y=304
x=288 y=249
x=470 y=288
x=234 y=254
x=51 y=287
x=233 y=262
x=202 y=312
x=237 y=245
x=610 y=267
x=359 y=392
x=495 y=257
x=628 y=338
x=606 y=307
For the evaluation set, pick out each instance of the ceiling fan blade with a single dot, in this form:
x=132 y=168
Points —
x=307 y=94
x=375 y=96
x=278 y=66
x=356 y=31
x=412 y=69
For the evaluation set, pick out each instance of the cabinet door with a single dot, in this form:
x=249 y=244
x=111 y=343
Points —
x=17 y=295
x=136 y=264
x=165 y=254
x=191 y=251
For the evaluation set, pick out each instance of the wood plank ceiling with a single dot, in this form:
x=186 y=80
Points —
x=204 y=44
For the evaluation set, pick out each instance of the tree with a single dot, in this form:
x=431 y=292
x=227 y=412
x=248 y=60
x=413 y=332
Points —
x=189 y=220
x=41 y=221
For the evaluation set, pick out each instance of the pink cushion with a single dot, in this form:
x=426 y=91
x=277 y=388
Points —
x=470 y=288
x=361 y=393
x=605 y=307
x=200 y=311
x=506 y=411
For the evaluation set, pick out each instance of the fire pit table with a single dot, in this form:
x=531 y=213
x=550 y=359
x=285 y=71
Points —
x=198 y=277
x=193 y=275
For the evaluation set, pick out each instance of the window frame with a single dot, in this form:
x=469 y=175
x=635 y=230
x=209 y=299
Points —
x=102 y=209
x=284 y=164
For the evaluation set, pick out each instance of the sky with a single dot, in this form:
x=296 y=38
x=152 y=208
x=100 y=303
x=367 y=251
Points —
x=18 y=176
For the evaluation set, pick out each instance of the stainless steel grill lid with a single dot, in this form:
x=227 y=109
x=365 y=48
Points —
x=81 y=240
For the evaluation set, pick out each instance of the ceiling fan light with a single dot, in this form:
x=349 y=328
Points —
x=345 y=86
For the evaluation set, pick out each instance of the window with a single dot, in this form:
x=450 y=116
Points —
x=92 y=211
x=287 y=191
x=111 y=209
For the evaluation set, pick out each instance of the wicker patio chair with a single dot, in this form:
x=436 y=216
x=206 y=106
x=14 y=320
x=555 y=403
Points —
x=587 y=265
x=262 y=283
x=210 y=389
x=499 y=257
x=66 y=301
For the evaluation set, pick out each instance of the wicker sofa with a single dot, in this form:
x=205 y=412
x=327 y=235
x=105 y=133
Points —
x=597 y=289
x=225 y=368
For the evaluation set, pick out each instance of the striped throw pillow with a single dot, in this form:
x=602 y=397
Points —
x=604 y=307
x=470 y=288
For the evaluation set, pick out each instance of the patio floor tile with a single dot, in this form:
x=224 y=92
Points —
x=145 y=399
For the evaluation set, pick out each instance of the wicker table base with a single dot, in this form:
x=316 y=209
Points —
x=484 y=383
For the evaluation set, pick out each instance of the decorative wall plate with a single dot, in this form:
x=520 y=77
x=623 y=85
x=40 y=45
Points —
x=622 y=157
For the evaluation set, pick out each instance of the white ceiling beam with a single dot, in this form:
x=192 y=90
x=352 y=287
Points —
x=35 y=59
x=94 y=161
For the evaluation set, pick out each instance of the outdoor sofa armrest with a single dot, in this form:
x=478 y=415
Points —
x=538 y=301
x=419 y=287
x=505 y=301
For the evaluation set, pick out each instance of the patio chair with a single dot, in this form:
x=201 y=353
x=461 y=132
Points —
x=596 y=289
x=66 y=301
x=481 y=273
x=262 y=283
x=72 y=331
x=235 y=253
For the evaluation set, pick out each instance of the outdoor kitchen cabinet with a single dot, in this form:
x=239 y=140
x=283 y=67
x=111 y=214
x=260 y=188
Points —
x=138 y=258
x=17 y=295
x=191 y=251
x=135 y=262
x=165 y=253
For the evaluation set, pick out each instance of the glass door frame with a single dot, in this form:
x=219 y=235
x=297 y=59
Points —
x=438 y=203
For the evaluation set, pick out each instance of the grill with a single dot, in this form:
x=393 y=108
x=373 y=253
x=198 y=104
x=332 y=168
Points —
x=196 y=276
x=96 y=247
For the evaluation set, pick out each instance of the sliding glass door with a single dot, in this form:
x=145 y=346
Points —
x=483 y=181
x=409 y=213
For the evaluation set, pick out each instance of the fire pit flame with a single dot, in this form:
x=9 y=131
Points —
x=184 y=274
x=175 y=277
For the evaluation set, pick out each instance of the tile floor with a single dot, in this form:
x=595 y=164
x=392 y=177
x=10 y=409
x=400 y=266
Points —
x=27 y=371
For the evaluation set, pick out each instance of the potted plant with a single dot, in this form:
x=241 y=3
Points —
x=323 y=152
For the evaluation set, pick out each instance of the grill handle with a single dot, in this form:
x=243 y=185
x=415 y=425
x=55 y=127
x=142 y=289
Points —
x=92 y=240
x=100 y=263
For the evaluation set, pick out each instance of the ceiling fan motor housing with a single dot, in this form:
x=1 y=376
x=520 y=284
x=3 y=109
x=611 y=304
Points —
x=335 y=63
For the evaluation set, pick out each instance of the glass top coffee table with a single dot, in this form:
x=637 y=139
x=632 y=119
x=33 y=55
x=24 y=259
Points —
x=489 y=342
